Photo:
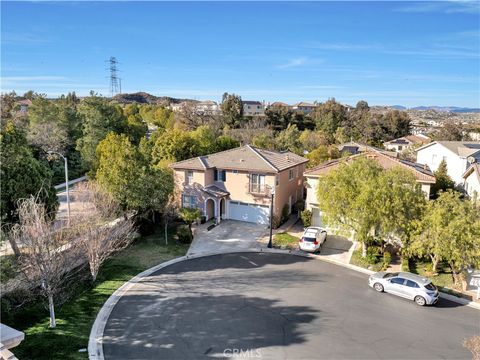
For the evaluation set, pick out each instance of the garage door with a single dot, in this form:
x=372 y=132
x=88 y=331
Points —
x=248 y=212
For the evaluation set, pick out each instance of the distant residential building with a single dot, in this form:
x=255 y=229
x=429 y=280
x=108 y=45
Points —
x=279 y=104
x=406 y=142
x=304 y=107
x=423 y=176
x=471 y=181
x=23 y=106
x=474 y=136
x=353 y=148
x=457 y=154
x=200 y=107
x=253 y=108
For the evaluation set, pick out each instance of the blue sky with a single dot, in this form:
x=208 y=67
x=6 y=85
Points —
x=408 y=53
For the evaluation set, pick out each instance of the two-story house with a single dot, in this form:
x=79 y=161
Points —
x=406 y=142
x=471 y=181
x=253 y=108
x=238 y=183
x=303 y=107
x=457 y=154
x=423 y=176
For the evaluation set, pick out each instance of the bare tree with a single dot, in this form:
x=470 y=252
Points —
x=169 y=213
x=100 y=233
x=192 y=117
x=49 y=257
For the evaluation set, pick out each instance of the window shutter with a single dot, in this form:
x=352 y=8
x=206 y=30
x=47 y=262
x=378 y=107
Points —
x=224 y=175
x=215 y=175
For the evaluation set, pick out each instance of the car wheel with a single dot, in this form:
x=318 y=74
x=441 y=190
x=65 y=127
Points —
x=378 y=287
x=419 y=300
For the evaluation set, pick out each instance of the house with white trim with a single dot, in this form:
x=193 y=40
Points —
x=238 y=183
x=457 y=154
x=471 y=181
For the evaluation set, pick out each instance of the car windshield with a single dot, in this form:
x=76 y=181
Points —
x=310 y=239
x=389 y=275
x=430 y=286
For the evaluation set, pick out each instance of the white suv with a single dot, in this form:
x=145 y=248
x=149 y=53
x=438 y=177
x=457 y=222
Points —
x=312 y=239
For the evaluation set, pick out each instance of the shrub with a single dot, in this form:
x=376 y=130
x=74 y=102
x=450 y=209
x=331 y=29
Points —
x=387 y=259
x=373 y=253
x=306 y=216
x=184 y=234
x=405 y=264
x=285 y=213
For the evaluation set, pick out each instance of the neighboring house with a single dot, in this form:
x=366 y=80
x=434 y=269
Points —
x=237 y=183
x=406 y=142
x=457 y=154
x=304 y=107
x=253 y=108
x=207 y=107
x=471 y=181
x=353 y=148
x=279 y=104
x=23 y=106
x=423 y=176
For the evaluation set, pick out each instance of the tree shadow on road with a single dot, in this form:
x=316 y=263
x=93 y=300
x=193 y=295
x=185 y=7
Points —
x=196 y=327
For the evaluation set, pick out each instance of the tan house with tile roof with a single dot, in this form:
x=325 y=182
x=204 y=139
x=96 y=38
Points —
x=237 y=184
x=422 y=173
x=406 y=142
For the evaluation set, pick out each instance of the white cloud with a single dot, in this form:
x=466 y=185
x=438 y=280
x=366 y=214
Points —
x=293 y=63
x=447 y=7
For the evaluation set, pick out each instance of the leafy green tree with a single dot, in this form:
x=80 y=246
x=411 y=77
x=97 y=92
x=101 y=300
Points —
x=451 y=131
x=443 y=181
x=136 y=128
x=397 y=123
x=363 y=197
x=225 y=142
x=22 y=175
x=174 y=145
x=329 y=116
x=321 y=154
x=449 y=231
x=189 y=216
x=99 y=118
x=125 y=174
x=232 y=109
x=289 y=139
x=264 y=140
x=157 y=115
x=205 y=140
x=312 y=139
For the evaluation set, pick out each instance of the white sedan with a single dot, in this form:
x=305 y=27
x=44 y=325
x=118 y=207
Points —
x=312 y=239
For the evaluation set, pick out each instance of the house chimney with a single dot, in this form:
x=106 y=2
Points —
x=287 y=157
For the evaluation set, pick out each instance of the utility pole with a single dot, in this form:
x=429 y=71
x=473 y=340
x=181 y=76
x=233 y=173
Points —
x=66 y=183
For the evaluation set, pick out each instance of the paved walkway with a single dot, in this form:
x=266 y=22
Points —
x=229 y=235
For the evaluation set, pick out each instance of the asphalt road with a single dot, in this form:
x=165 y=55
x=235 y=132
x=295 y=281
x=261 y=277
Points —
x=275 y=306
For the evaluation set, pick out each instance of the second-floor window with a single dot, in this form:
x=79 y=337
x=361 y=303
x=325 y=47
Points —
x=220 y=175
x=189 y=177
x=291 y=174
x=257 y=183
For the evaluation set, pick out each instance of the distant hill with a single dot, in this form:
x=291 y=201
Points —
x=398 y=107
x=453 y=109
x=146 y=98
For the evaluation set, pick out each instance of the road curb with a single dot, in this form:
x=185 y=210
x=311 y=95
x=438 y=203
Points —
x=95 y=342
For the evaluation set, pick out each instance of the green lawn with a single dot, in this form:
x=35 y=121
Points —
x=443 y=279
x=75 y=318
x=286 y=240
x=358 y=260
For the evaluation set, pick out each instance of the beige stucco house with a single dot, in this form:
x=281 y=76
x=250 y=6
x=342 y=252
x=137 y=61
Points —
x=422 y=173
x=237 y=184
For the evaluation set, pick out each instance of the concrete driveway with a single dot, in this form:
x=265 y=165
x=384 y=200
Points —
x=277 y=306
x=229 y=235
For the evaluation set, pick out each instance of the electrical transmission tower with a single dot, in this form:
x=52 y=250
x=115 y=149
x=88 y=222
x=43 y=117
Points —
x=115 y=80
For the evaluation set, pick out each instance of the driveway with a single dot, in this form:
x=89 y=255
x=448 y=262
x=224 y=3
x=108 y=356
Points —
x=229 y=235
x=277 y=306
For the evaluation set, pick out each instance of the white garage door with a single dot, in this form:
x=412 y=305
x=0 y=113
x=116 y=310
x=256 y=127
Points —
x=248 y=212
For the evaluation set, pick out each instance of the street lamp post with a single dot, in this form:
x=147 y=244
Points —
x=271 y=219
x=66 y=183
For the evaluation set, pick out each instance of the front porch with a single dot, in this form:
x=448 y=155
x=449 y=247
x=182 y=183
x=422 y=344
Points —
x=215 y=203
